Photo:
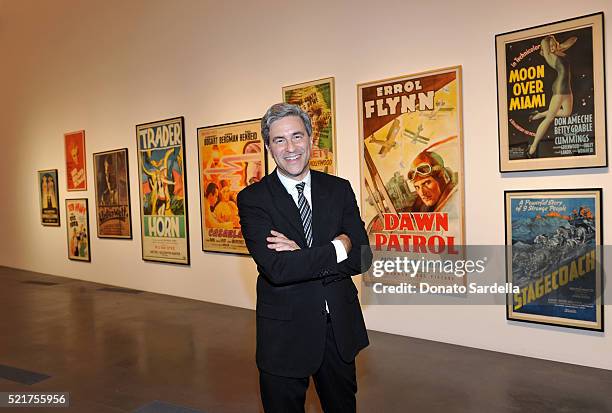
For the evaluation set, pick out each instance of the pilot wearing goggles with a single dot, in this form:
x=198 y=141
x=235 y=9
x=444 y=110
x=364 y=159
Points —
x=434 y=183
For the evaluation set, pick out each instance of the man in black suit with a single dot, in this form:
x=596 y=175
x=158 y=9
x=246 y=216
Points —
x=304 y=231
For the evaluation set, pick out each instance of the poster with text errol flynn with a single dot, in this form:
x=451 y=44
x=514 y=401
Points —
x=412 y=163
x=163 y=191
x=550 y=82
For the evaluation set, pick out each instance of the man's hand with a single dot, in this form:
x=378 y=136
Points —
x=279 y=242
x=346 y=241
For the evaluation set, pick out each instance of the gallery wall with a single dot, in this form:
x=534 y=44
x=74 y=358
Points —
x=106 y=66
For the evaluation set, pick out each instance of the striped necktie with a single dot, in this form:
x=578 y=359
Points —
x=305 y=212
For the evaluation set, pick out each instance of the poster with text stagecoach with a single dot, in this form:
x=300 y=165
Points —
x=163 y=191
x=554 y=257
x=231 y=157
x=551 y=96
x=317 y=98
x=410 y=137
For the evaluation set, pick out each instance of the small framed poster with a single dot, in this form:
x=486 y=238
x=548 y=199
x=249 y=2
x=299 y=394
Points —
x=113 y=211
x=77 y=229
x=76 y=171
x=49 y=198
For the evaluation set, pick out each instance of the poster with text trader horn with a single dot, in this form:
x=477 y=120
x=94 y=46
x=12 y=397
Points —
x=231 y=157
x=163 y=191
x=411 y=144
x=553 y=257
x=551 y=96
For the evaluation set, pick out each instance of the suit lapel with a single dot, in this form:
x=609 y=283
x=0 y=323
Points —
x=286 y=206
x=320 y=198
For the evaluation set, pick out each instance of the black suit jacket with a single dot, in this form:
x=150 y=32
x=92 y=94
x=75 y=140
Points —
x=293 y=286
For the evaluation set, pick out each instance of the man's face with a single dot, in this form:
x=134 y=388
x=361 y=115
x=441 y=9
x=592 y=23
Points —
x=290 y=146
x=428 y=189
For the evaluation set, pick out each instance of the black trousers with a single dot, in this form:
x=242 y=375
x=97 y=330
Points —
x=335 y=381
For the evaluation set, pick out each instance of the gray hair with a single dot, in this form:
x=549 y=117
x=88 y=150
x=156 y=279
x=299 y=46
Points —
x=279 y=111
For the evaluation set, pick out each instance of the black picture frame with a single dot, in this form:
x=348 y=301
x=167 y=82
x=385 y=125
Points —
x=537 y=264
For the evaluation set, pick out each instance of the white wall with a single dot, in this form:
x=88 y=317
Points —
x=106 y=66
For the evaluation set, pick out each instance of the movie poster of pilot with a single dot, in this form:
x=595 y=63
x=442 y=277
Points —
x=74 y=150
x=163 y=191
x=113 y=213
x=551 y=96
x=77 y=229
x=49 y=198
x=231 y=157
x=317 y=98
x=553 y=242
x=412 y=165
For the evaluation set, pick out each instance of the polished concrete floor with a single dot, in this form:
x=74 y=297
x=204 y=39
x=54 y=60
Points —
x=117 y=351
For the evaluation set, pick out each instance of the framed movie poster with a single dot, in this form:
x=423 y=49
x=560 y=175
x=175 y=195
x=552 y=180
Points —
x=551 y=96
x=112 y=184
x=49 y=198
x=553 y=256
x=411 y=144
x=77 y=229
x=74 y=150
x=231 y=157
x=317 y=98
x=163 y=191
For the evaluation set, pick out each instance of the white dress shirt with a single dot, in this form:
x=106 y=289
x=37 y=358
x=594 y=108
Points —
x=290 y=186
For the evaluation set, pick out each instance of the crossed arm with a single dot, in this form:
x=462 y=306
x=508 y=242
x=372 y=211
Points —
x=282 y=261
x=278 y=241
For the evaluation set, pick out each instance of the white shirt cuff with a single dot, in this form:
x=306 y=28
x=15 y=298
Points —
x=341 y=254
